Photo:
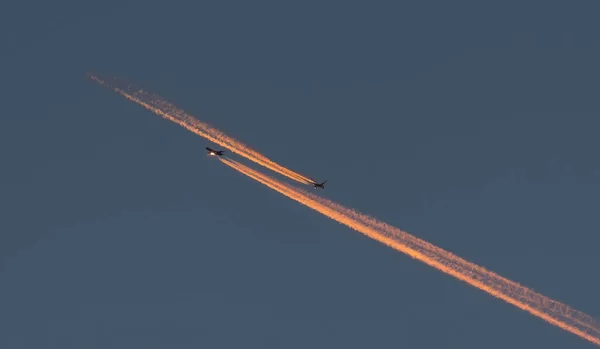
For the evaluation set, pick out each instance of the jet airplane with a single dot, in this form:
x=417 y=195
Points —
x=319 y=185
x=215 y=152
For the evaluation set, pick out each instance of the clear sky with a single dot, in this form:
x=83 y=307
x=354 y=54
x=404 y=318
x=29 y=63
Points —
x=473 y=126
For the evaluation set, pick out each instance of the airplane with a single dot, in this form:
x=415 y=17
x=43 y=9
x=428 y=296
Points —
x=215 y=152
x=319 y=185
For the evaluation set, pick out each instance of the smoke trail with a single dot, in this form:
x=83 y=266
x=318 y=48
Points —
x=547 y=309
x=168 y=111
x=494 y=280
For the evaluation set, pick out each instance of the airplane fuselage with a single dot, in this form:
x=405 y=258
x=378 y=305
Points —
x=319 y=185
x=214 y=152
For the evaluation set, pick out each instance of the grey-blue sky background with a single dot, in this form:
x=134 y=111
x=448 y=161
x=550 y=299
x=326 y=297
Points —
x=471 y=125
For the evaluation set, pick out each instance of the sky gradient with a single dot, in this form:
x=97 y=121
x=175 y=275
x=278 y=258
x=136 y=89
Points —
x=471 y=126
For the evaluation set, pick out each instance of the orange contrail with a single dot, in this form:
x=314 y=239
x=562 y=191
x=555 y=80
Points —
x=547 y=309
x=168 y=111
x=494 y=280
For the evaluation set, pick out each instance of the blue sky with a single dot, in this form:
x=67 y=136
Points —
x=470 y=125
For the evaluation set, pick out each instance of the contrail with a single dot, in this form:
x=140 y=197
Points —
x=168 y=111
x=552 y=311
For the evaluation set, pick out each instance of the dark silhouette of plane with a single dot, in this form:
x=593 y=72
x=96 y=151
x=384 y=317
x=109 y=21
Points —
x=319 y=185
x=215 y=152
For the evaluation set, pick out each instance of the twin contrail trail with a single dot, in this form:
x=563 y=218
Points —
x=168 y=111
x=552 y=311
x=543 y=307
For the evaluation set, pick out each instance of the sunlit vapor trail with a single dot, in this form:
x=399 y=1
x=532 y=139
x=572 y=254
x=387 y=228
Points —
x=492 y=279
x=168 y=111
x=547 y=309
